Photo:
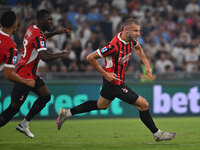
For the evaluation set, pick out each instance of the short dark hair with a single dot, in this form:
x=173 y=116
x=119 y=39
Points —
x=130 y=21
x=41 y=13
x=8 y=19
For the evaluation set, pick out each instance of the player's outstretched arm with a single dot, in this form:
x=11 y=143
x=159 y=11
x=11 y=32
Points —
x=60 y=31
x=45 y=56
x=139 y=51
x=12 y=76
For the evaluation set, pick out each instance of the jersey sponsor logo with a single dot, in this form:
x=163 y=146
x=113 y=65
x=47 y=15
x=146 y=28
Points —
x=14 y=60
x=124 y=59
x=104 y=50
x=42 y=44
x=28 y=33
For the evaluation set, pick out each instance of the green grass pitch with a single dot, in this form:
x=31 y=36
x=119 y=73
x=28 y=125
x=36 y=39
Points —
x=102 y=134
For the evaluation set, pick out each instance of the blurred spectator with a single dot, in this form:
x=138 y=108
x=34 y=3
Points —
x=120 y=4
x=53 y=66
x=84 y=34
x=148 y=6
x=45 y=4
x=70 y=62
x=76 y=46
x=106 y=27
x=138 y=13
x=80 y=18
x=83 y=58
x=196 y=29
x=163 y=48
x=151 y=46
x=191 y=7
x=177 y=54
x=115 y=19
x=42 y=66
x=56 y=16
x=191 y=58
x=61 y=38
x=94 y=41
x=169 y=69
x=160 y=64
x=94 y=18
x=91 y=3
x=71 y=14
x=52 y=45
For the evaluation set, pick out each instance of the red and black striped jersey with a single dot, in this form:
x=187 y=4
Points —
x=34 y=42
x=8 y=51
x=116 y=54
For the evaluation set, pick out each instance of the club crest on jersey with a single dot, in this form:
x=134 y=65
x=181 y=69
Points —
x=103 y=50
x=14 y=60
x=42 y=43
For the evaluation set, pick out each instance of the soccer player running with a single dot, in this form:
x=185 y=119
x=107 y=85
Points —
x=116 y=54
x=8 y=51
x=34 y=49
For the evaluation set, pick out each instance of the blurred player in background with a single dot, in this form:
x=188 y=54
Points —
x=8 y=51
x=34 y=49
x=116 y=54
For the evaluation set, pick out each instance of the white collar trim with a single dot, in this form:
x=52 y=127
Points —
x=35 y=26
x=4 y=33
x=121 y=39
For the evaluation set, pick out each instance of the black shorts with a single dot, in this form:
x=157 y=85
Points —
x=20 y=91
x=110 y=91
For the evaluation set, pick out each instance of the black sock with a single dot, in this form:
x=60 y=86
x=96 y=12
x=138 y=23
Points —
x=38 y=105
x=85 y=107
x=148 y=121
x=7 y=115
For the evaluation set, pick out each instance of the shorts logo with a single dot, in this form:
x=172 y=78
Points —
x=21 y=98
x=14 y=60
x=42 y=43
x=103 y=50
x=125 y=90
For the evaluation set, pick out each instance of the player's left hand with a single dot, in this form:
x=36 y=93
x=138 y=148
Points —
x=64 y=30
x=65 y=54
x=30 y=82
x=148 y=72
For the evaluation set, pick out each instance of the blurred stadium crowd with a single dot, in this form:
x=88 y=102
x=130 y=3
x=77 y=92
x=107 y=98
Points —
x=170 y=30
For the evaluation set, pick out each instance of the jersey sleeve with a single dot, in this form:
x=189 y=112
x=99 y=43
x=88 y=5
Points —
x=10 y=57
x=107 y=50
x=40 y=43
